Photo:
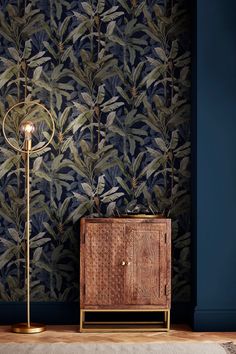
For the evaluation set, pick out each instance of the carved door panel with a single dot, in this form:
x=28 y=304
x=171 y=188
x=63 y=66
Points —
x=105 y=250
x=147 y=271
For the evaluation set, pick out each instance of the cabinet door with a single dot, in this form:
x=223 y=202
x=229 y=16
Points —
x=105 y=250
x=149 y=270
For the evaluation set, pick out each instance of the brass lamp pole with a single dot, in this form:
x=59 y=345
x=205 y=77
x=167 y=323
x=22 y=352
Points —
x=27 y=128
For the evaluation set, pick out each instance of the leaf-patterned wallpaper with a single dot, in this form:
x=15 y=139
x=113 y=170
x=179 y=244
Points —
x=115 y=75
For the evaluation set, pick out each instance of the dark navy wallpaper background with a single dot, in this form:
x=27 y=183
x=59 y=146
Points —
x=115 y=76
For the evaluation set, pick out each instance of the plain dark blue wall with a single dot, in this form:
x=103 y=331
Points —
x=215 y=161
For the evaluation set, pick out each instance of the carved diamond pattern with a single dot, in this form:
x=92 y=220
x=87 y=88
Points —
x=104 y=275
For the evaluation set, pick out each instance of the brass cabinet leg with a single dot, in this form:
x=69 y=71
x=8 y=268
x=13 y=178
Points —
x=168 y=320
x=82 y=316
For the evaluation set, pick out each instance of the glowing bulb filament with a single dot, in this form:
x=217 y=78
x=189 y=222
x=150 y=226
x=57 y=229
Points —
x=27 y=128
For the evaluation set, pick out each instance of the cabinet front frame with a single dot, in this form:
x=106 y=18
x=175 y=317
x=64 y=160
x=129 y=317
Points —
x=126 y=221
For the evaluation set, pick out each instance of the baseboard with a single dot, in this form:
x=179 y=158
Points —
x=214 y=320
x=67 y=313
x=181 y=312
x=44 y=312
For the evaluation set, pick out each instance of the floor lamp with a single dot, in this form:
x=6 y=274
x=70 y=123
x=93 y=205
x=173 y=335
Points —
x=27 y=128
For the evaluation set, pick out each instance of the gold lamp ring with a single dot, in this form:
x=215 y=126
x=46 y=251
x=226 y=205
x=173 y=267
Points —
x=29 y=104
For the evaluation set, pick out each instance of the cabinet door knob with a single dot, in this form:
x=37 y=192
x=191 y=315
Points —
x=123 y=263
x=128 y=263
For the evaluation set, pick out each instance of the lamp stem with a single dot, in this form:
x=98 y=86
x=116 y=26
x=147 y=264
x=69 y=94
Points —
x=28 y=326
x=27 y=168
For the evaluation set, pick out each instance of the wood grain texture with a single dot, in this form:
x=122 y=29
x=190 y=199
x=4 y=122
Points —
x=148 y=268
x=125 y=263
x=69 y=334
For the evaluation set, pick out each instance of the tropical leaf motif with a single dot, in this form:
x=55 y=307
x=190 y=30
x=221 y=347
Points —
x=115 y=76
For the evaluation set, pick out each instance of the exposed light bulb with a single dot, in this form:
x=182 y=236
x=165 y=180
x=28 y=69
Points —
x=28 y=127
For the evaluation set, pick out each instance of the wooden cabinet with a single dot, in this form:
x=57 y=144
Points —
x=125 y=266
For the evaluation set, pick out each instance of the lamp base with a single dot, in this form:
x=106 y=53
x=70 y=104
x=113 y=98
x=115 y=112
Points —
x=25 y=329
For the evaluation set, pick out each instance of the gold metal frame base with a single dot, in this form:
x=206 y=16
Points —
x=25 y=329
x=157 y=326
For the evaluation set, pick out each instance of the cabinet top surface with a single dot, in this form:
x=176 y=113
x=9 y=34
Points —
x=128 y=218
